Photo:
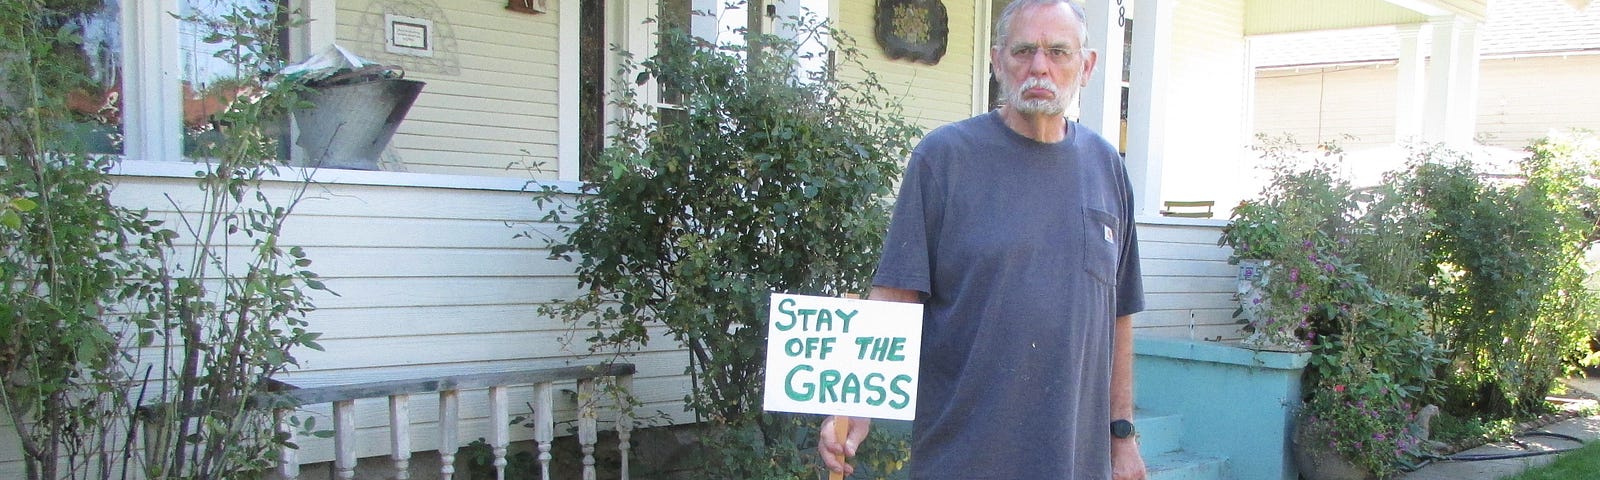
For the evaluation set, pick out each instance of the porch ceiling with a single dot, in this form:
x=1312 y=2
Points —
x=1284 y=16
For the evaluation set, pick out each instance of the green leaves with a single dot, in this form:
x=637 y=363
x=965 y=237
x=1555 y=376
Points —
x=1446 y=284
x=754 y=182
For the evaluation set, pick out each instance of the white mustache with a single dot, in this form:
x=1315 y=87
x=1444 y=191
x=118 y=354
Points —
x=1036 y=82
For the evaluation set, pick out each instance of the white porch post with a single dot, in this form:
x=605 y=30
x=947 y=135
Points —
x=1464 y=115
x=1100 y=106
x=151 y=111
x=568 y=130
x=1411 y=81
x=1147 y=102
x=1451 y=105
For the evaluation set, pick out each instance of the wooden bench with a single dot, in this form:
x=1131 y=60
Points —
x=1187 y=209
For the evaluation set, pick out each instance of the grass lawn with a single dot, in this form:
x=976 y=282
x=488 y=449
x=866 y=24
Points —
x=1577 y=464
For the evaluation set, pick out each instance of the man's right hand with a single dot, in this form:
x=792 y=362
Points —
x=835 y=450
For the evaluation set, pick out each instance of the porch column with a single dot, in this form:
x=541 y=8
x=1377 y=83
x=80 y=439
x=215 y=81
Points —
x=1451 y=106
x=568 y=131
x=1411 y=82
x=1464 y=117
x=1147 y=102
x=151 y=112
x=1100 y=104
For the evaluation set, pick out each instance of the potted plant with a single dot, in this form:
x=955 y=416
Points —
x=353 y=108
x=1334 y=281
x=1286 y=241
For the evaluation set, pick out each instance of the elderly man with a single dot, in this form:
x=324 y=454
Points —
x=1015 y=230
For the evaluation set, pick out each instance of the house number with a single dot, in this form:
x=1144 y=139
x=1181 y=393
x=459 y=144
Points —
x=1122 y=14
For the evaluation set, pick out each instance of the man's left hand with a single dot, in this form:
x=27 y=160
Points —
x=1126 y=464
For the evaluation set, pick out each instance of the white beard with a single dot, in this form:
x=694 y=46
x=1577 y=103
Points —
x=1054 y=106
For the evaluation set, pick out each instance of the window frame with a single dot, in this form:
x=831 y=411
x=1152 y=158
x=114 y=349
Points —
x=152 y=96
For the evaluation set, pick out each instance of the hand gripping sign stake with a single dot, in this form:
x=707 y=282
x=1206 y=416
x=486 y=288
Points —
x=840 y=356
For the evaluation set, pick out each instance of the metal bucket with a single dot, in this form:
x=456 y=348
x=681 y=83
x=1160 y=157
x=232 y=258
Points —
x=349 y=125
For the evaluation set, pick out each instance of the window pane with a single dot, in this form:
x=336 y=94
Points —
x=214 y=70
x=674 y=16
x=96 y=108
x=592 y=41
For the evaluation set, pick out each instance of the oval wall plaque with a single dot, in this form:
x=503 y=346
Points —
x=915 y=30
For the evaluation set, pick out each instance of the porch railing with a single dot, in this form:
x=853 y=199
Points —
x=343 y=391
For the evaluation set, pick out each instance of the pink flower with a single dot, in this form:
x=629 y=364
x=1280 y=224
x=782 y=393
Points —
x=1338 y=388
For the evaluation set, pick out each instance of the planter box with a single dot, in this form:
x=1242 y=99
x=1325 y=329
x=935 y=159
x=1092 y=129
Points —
x=1236 y=403
x=351 y=124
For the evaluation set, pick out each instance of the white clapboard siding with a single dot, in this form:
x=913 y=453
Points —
x=1322 y=104
x=1189 y=285
x=432 y=278
x=930 y=95
x=428 y=278
x=1519 y=99
x=500 y=99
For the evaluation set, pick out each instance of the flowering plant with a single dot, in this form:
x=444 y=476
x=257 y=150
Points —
x=1366 y=372
x=1299 y=227
x=1336 y=282
x=1369 y=432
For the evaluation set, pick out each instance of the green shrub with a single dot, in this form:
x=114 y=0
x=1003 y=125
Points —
x=759 y=181
x=66 y=253
x=91 y=289
x=1506 y=272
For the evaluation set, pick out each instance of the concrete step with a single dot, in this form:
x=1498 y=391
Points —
x=1182 y=465
x=1158 y=432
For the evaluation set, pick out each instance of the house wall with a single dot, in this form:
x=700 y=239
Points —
x=1519 y=99
x=1522 y=99
x=429 y=274
x=1189 y=286
x=930 y=95
x=491 y=95
x=1321 y=104
x=1206 y=97
x=426 y=277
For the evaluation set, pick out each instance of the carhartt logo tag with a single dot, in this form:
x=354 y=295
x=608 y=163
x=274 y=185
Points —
x=1109 y=237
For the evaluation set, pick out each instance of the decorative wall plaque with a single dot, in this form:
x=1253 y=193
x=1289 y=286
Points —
x=915 y=30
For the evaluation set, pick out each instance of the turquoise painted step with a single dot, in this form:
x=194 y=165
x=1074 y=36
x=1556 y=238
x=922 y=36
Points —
x=1181 y=465
x=1158 y=432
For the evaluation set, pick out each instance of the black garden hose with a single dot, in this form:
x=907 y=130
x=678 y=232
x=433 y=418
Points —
x=1428 y=459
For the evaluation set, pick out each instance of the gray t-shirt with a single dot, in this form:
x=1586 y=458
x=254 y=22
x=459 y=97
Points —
x=1025 y=253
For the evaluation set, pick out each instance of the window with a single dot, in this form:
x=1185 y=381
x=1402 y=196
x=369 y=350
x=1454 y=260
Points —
x=591 y=84
x=129 y=105
x=209 y=82
x=603 y=23
x=96 y=109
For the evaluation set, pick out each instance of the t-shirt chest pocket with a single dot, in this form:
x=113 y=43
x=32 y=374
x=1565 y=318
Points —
x=1100 y=240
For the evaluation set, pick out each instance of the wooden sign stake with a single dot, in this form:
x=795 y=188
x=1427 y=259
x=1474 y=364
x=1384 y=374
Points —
x=841 y=431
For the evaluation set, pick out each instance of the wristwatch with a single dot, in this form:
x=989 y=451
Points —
x=1122 y=428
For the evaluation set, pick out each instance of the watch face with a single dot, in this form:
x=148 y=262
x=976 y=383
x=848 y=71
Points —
x=1121 y=428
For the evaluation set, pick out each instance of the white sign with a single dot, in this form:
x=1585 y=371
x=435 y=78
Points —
x=409 y=35
x=840 y=356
